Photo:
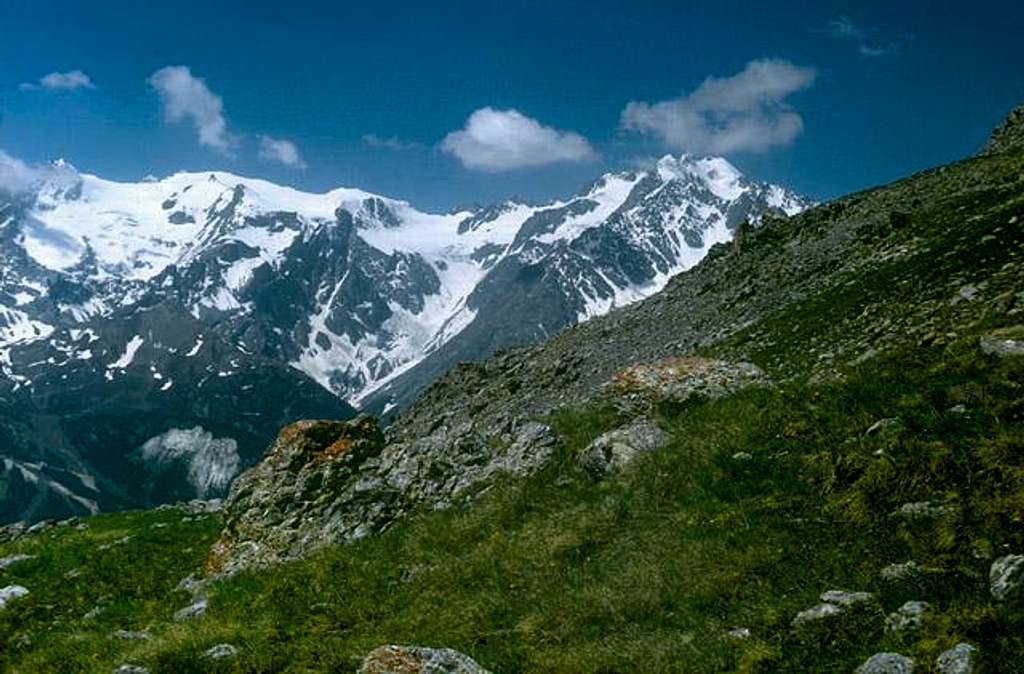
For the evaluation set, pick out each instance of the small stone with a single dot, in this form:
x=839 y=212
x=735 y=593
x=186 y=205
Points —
x=921 y=510
x=221 y=651
x=418 y=660
x=129 y=635
x=883 y=425
x=13 y=559
x=899 y=571
x=742 y=456
x=958 y=409
x=10 y=593
x=131 y=669
x=1005 y=576
x=739 y=633
x=908 y=617
x=844 y=598
x=957 y=660
x=815 y=613
x=887 y=663
x=193 y=610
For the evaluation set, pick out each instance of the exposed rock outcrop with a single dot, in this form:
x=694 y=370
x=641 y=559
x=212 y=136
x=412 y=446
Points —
x=1009 y=135
x=418 y=660
x=615 y=450
x=326 y=482
x=677 y=380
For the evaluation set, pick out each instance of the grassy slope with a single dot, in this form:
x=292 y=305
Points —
x=646 y=572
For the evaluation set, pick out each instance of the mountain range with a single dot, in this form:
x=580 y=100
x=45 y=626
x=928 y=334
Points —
x=155 y=335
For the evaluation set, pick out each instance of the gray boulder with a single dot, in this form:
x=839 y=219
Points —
x=10 y=593
x=833 y=603
x=1004 y=343
x=1005 y=576
x=907 y=617
x=418 y=660
x=10 y=560
x=221 y=651
x=957 y=660
x=887 y=663
x=613 y=451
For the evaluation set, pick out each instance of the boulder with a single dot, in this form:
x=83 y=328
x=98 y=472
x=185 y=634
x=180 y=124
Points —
x=10 y=560
x=418 y=660
x=613 y=451
x=833 y=603
x=957 y=660
x=907 y=617
x=10 y=593
x=221 y=651
x=1006 y=575
x=1004 y=343
x=677 y=380
x=887 y=663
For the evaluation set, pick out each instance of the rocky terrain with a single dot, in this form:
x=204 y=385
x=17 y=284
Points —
x=801 y=455
x=155 y=335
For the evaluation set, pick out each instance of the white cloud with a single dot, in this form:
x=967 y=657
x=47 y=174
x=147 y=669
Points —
x=743 y=113
x=842 y=27
x=71 y=80
x=281 y=151
x=17 y=176
x=187 y=97
x=499 y=140
x=390 y=143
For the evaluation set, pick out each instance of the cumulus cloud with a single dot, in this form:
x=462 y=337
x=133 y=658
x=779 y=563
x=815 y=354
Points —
x=71 y=80
x=390 y=143
x=186 y=97
x=281 y=152
x=500 y=140
x=746 y=112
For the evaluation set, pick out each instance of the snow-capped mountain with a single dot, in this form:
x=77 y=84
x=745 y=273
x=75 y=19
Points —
x=178 y=321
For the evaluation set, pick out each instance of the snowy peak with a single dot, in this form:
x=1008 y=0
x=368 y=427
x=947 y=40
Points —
x=372 y=285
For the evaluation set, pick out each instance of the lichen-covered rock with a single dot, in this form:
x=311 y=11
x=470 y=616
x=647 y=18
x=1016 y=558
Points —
x=907 y=617
x=221 y=651
x=324 y=483
x=1005 y=343
x=418 y=660
x=921 y=510
x=833 y=603
x=1006 y=575
x=887 y=663
x=899 y=571
x=957 y=660
x=613 y=451
x=680 y=379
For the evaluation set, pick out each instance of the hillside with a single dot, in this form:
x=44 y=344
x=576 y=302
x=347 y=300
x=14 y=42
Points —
x=803 y=453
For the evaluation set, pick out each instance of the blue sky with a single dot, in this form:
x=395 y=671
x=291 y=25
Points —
x=417 y=102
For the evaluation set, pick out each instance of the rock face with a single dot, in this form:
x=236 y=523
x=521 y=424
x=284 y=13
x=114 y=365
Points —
x=1010 y=134
x=329 y=482
x=418 y=660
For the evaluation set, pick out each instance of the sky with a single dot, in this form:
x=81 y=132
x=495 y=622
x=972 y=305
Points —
x=473 y=102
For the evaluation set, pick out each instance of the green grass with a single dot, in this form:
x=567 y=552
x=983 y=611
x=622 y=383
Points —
x=644 y=572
